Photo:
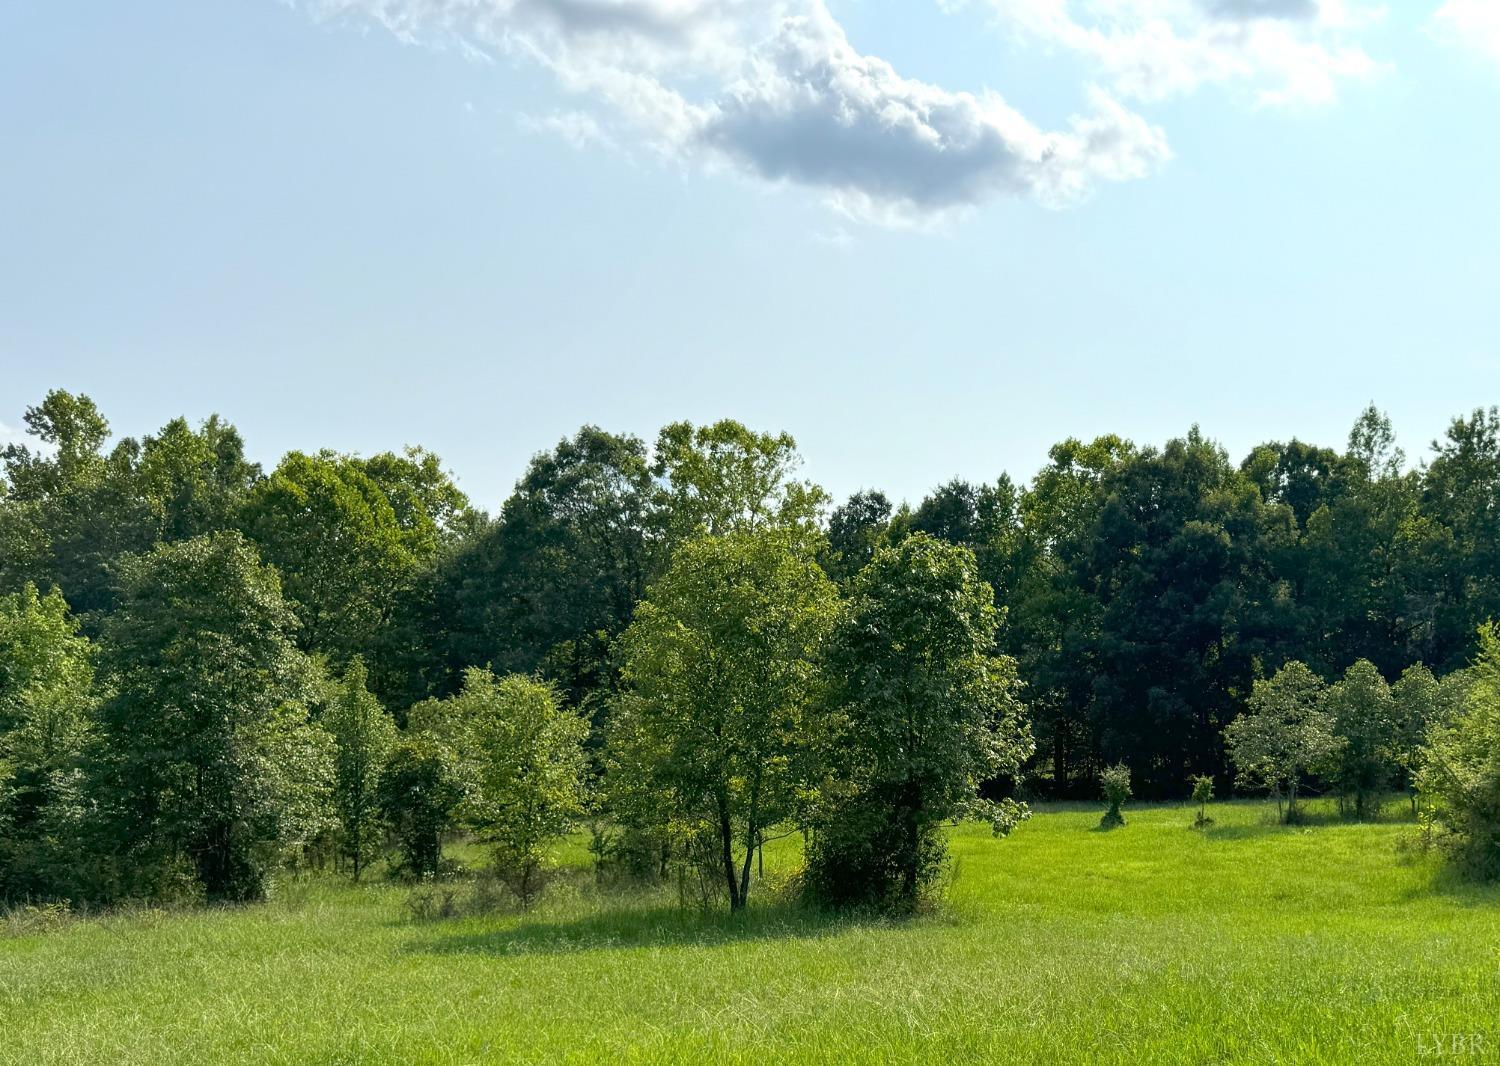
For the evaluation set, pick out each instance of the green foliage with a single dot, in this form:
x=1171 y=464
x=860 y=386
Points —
x=418 y=794
x=1285 y=734
x=725 y=478
x=1114 y=782
x=1203 y=793
x=1460 y=766
x=206 y=765
x=721 y=672
x=1364 y=718
x=525 y=755
x=922 y=714
x=46 y=709
x=363 y=735
x=330 y=530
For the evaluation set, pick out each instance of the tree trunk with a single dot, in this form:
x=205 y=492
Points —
x=726 y=845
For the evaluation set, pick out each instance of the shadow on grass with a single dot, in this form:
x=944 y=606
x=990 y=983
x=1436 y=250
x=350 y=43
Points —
x=623 y=928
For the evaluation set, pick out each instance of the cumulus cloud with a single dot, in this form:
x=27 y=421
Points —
x=1280 y=51
x=775 y=90
x=1471 y=24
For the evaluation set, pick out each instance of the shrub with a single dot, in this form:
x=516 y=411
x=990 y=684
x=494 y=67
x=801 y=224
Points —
x=417 y=793
x=1115 y=783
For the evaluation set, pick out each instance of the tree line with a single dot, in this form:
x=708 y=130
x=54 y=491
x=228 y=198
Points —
x=688 y=635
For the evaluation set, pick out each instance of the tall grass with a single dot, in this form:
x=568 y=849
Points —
x=1247 y=942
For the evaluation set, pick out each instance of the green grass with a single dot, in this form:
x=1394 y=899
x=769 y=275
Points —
x=1150 y=944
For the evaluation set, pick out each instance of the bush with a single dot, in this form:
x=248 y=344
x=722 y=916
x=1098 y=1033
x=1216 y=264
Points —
x=1115 y=782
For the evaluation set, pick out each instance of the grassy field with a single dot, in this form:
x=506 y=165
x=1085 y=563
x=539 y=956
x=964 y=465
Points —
x=1154 y=943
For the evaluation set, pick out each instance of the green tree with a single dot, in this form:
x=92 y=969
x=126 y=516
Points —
x=330 y=530
x=856 y=529
x=721 y=671
x=207 y=765
x=925 y=713
x=363 y=735
x=1114 y=782
x=554 y=580
x=1364 y=719
x=528 y=767
x=1419 y=701
x=419 y=792
x=1285 y=734
x=725 y=478
x=46 y=709
x=1203 y=792
x=1460 y=766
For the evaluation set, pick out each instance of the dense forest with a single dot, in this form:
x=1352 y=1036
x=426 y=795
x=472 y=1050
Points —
x=1135 y=594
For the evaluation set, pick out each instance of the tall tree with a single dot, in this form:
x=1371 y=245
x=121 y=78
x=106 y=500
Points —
x=363 y=735
x=556 y=578
x=726 y=478
x=924 y=714
x=330 y=530
x=856 y=529
x=207 y=765
x=721 y=670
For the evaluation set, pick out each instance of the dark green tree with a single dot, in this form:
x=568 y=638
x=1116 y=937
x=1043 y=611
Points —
x=207 y=766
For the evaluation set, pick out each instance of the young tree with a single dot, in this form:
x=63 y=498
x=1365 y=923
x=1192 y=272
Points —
x=46 y=708
x=418 y=793
x=528 y=765
x=1114 y=782
x=721 y=667
x=1364 y=720
x=925 y=712
x=1284 y=734
x=1460 y=766
x=1203 y=791
x=207 y=764
x=363 y=735
x=1418 y=701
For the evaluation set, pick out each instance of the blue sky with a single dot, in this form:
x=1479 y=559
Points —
x=927 y=239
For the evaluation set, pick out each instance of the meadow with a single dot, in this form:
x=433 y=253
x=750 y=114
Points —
x=1248 y=942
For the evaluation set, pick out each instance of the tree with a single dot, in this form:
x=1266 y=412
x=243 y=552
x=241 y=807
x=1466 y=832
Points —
x=206 y=763
x=1460 y=766
x=1364 y=721
x=71 y=513
x=720 y=671
x=1418 y=701
x=418 y=793
x=528 y=765
x=1203 y=792
x=1285 y=734
x=1114 y=782
x=855 y=530
x=924 y=714
x=725 y=478
x=551 y=583
x=46 y=709
x=363 y=735
x=328 y=527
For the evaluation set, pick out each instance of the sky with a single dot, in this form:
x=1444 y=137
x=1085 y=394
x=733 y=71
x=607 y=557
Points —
x=929 y=238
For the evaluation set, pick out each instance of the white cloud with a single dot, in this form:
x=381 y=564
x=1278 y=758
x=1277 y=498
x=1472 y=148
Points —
x=774 y=89
x=1280 y=51
x=1471 y=24
x=578 y=128
x=817 y=112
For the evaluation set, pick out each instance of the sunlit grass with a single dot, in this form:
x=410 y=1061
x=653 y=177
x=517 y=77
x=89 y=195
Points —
x=1153 y=943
